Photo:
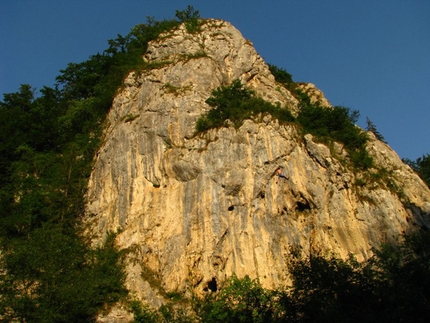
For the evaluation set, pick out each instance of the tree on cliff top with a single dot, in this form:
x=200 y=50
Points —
x=421 y=166
x=372 y=128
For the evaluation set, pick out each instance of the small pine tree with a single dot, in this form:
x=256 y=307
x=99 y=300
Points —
x=372 y=128
x=190 y=17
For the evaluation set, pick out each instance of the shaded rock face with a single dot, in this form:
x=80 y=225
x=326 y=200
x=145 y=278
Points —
x=193 y=209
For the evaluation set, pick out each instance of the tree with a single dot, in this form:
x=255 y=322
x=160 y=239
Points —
x=236 y=103
x=240 y=300
x=51 y=276
x=190 y=17
x=188 y=14
x=421 y=166
x=372 y=128
x=327 y=290
x=392 y=286
x=15 y=123
x=283 y=77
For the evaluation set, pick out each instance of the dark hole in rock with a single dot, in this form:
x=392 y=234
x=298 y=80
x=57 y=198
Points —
x=231 y=208
x=300 y=206
x=262 y=195
x=212 y=285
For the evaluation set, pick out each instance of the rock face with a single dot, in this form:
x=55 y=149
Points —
x=195 y=209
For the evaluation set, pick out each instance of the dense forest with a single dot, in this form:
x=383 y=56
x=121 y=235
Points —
x=50 y=273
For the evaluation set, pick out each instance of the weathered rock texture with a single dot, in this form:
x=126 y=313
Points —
x=191 y=208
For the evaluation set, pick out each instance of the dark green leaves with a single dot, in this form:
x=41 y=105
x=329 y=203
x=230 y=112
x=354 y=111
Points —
x=190 y=17
x=240 y=300
x=372 y=128
x=283 y=77
x=188 y=14
x=53 y=277
x=236 y=103
x=422 y=166
x=336 y=124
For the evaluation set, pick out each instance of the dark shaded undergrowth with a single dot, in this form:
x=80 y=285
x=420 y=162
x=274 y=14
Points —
x=48 y=272
x=392 y=286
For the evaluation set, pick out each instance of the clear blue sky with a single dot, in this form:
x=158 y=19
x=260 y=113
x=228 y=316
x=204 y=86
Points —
x=368 y=55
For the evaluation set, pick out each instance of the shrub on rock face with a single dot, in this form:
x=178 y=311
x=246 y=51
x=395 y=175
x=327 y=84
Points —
x=422 y=166
x=336 y=124
x=283 y=77
x=239 y=300
x=237 y=103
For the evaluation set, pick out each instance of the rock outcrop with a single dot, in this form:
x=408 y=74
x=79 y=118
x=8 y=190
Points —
x=192 y=209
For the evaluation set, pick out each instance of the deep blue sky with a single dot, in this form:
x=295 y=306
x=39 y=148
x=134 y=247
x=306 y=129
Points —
x=371 y=56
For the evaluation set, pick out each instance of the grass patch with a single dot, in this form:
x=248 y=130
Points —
x=130 y=117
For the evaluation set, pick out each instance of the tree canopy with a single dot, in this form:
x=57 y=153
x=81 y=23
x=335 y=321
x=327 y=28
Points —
x=47 y=272
x=421 y=166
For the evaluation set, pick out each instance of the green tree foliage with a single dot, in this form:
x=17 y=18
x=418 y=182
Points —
x=15 y=113
x=190 y=17
x=283 y=77
x=143 y=313
x=336 y=124
x=327 y=290
x=421 y=166
x=53 y=277
x=236 y=103
x=392 y=286
x=167 y=313
x=240 y=300
x=372 y=128
x=327 y=123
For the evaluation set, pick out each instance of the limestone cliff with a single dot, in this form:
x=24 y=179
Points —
x=193 y=208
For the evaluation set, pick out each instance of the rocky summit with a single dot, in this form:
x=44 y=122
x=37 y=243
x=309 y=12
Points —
x=192 y=209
